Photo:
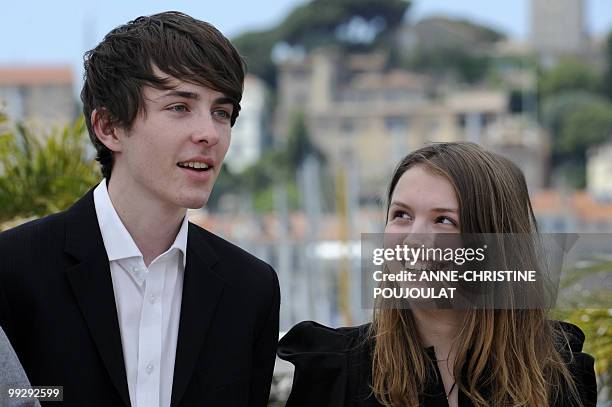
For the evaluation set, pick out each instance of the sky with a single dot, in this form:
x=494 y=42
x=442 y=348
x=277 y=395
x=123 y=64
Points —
x=60 y=31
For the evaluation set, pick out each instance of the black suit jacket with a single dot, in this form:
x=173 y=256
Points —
x=57 y=307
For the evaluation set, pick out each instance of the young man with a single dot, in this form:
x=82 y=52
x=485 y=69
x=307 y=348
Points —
x=119 y=299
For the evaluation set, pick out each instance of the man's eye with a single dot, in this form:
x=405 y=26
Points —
x=223 y=114
x=178 y=108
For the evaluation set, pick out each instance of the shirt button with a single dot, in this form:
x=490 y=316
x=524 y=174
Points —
x=152 y=298
x=149 y=368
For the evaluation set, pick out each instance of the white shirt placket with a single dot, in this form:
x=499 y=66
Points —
x=150 y=338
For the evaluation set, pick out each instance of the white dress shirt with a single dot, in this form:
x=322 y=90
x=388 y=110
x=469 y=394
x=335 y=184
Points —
x=148 y=304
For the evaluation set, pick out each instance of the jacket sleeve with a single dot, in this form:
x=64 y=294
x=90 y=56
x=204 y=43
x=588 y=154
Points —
x=581 y=365
x=265 y=351
x=321 y=356
x=583 y=372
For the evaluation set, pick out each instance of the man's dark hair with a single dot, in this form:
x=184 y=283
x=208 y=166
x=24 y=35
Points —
x=179 y=45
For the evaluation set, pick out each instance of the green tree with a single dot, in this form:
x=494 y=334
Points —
x=581 y=125
x=556 y=108
x=278 y=166
x=452 y=47
x=465 y=65
x=607 y=81
x=299 y=145
x=587 y=127
x=569 y=74
x=317 y=23
x=590 y=310
x=42 y=174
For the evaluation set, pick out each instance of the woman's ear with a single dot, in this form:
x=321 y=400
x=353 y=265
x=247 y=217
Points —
x=106 y=129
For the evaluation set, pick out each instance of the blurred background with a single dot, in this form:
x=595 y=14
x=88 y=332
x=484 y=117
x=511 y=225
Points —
x=338 y=91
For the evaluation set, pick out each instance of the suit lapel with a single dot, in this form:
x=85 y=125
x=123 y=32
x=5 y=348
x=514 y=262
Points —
x=91 y=283
x=202 y=290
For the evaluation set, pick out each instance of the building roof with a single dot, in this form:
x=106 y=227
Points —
x=36 y=75
x=579 y=204
x=477 y=100
x=396 y=79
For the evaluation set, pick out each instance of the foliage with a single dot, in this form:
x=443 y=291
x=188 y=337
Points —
x=317 y=23
x=42 y=174
x=577 y=120
x=452 y=33
x=556 y=108
x=465 y=65
x=270 y=169
x=256 y=47
x=299 y=145
x=264 y=199
x=278 y=166
x=607 y=80
x=226 y=182
x=586 y=127
x=452 y=47
x=590 y=311
x=569 y=74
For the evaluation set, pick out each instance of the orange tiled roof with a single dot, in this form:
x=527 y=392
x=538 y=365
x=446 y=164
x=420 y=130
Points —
x=36 y=75
x=579 y=204
x=267 y=228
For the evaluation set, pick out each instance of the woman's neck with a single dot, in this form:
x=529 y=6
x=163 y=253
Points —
x=438 y=328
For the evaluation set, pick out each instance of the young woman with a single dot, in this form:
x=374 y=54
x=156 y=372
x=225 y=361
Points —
x=446 y=357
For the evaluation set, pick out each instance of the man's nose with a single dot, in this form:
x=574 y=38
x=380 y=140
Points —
x=205 y=130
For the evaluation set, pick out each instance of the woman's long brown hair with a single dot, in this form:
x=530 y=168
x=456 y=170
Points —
x=512 y=352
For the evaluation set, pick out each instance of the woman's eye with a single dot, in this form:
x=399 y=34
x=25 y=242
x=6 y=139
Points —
x=446 y=220
x=401 y=215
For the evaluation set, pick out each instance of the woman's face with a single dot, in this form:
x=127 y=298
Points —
x=424 y=212
x=423 y=202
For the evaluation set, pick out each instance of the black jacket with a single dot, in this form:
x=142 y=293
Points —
x=333 y=368
x=57 y=307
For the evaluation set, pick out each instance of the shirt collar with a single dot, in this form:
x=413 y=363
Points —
x=117 y=240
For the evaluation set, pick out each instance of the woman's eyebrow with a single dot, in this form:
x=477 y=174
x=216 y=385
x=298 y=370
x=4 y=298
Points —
x=400 y=204
x=452 y=210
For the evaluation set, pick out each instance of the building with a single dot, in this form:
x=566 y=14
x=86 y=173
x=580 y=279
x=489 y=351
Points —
x=358 y=113
x=365 y=117
x=559 y=211
x=39 y=96
x=557 y=28
x=250 y=133
x=599 y=171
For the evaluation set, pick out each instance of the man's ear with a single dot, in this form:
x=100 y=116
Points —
x=106 y=130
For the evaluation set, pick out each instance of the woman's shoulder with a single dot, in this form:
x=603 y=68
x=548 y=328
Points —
x=331 y=364
x=570 y=340
x=569 y=335
x=310 y=338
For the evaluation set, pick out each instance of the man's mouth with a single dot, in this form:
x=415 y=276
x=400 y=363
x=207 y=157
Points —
x=195 y=166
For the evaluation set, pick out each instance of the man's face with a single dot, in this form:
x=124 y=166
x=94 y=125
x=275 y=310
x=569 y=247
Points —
x=173 y=152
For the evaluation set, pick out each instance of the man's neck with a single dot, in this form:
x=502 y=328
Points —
x=152 y=225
